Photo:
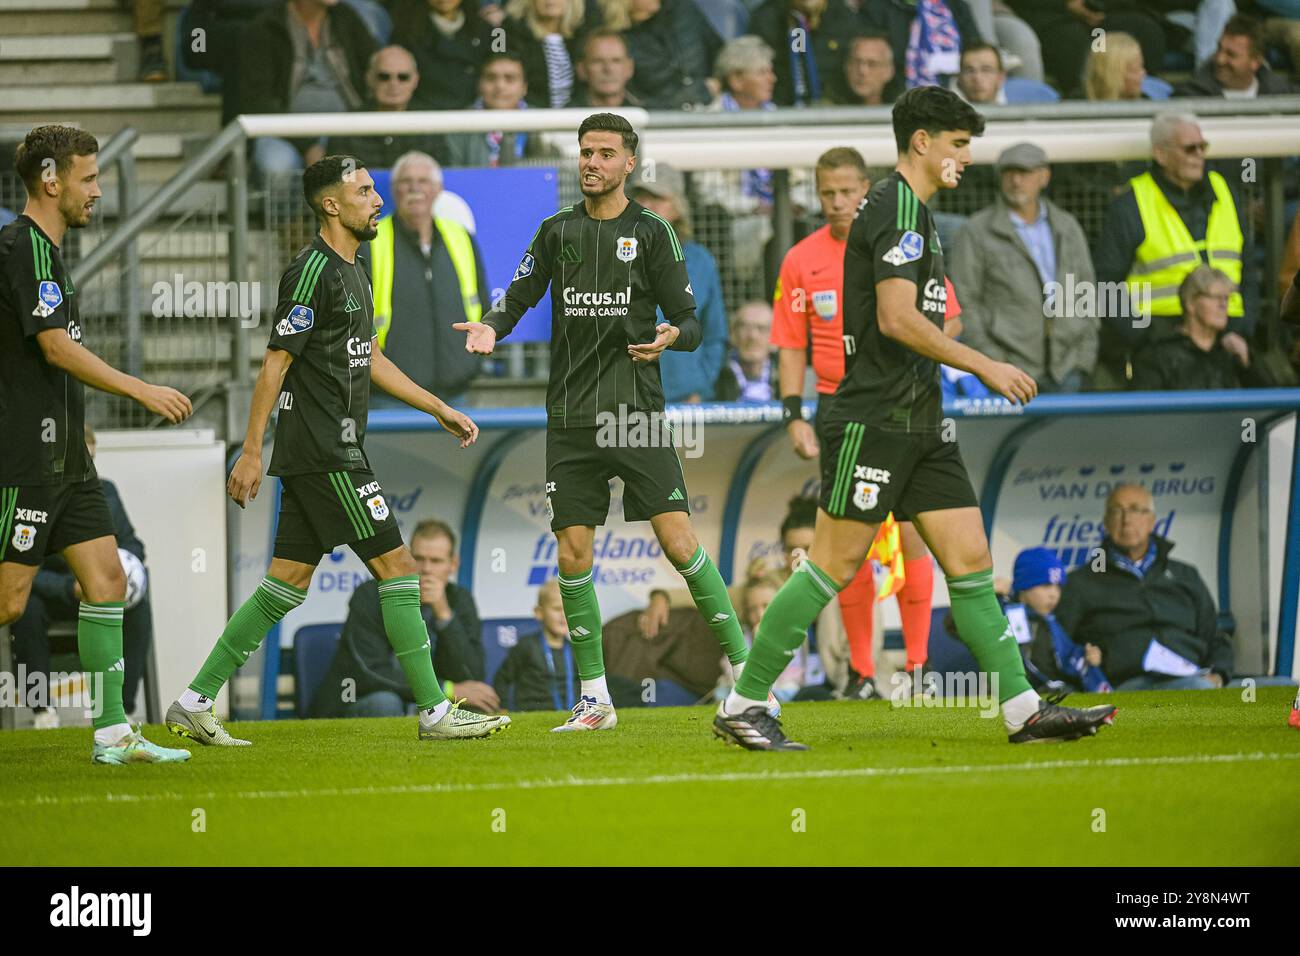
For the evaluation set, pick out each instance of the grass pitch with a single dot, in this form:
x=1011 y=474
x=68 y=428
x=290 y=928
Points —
x=1182 y=778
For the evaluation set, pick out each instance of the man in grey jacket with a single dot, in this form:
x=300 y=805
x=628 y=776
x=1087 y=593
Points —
x=1018 y=267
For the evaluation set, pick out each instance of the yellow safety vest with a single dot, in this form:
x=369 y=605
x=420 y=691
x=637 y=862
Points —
x=1169 y=253
x=459 y=245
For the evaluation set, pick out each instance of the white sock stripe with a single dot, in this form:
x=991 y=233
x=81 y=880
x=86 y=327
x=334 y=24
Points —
x=696 y=564
x=294 y=597
x=816 y=575
x=400 y=585
x=573 y=582
x=100 y=613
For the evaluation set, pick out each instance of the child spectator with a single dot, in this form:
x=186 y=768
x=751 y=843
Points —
x=539 y=672
x=1050 y=655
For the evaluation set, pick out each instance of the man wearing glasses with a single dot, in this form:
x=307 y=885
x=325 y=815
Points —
x=1174 y=217
x=391 y=80
x=1152 y=616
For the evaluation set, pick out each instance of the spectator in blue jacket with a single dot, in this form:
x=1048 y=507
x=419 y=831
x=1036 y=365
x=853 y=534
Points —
x=1051 y=652
x=687 y=376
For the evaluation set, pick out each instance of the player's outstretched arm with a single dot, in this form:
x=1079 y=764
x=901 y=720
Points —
x=480 y=338
x=246 y=476
x=85 y=366
x=901 y=321
x=390 y=378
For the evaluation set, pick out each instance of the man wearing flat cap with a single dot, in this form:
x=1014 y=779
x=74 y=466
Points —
x=1019 y=266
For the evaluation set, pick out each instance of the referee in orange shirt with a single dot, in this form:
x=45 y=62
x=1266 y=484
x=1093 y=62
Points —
x=808 y=303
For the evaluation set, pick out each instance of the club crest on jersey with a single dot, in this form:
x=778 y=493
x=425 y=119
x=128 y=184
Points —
x=865 y=495
x=826 y=303
x=909 y=249
x=24 y=537
x=525 y=267
x=378 y=507
x=625 y=249
x=299 y=319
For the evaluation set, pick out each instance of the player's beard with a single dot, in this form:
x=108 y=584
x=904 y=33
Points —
x=364 y=232
x=603 y=190
x=74 y=214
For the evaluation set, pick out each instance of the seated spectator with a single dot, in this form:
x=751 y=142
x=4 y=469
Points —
x=539 y=672
x=1203 y=354
x=1282 y=29
x=391 y=81
x=1066 y=27
x=673 y=46
x=427 y=273
x=1009 y=260
x=1172 y=218
x=302 y=56
x=927 y=37
x=56 y=596
x=984 y=81
x=867 y=72
x=1051 y=657
x=687 y=376
x=450 y=41
x=1152 y=616
x=604 y=72
x=1022 y=54
x=1237 y=69
x=501 y=86
x=750 y=372
x=809 y=37
x=1202 y=19
x=1116 y=71
x=545 y=34
x=365 y=678
x=148 y=22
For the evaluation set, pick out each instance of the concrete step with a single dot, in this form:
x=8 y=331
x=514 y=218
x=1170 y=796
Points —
x=51 y=17
x=83 y=58
x=149 y=107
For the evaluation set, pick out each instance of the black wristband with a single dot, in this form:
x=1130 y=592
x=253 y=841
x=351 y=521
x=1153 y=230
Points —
x=791 y=409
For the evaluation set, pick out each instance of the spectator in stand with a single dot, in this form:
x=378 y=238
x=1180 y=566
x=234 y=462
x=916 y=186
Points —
x=1065 y=27
x=1174 y=217
x=365 y=678
x=450 y=41
x=868 y=72
x=1203 y=354
x=1021 y=52
x=302 y=56
x=426 y=274
x=56 y=596
x=750 y=374
x=809 y=37
x=1116 y=71
x=1282 y=29
x=927 y=37
x=983 y=80
x=1051 y=655
x=687 y=376
x=539 y=672
x=546 y=35
x=755 y=596
x=1010 y=260
x=1152 y=616
x=391 y=80
x=148 y=22
x=604 y=72
x=1204 y=19
x=1237 y=69
x=501 y=86
x=673 y=46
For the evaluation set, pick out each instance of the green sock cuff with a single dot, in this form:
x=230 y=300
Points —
x=696 y=563
x=823 y=580
x=276 y=599
x=396 y=592
x=284 y=587
x=975 y=581
x=108 y=611
x=582 y=580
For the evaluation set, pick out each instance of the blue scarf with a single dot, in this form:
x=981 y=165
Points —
x=495 y=137
x=803 y=66
x=1070 y=657
x=756 y=183
x=934 y=30
x=1140 y=568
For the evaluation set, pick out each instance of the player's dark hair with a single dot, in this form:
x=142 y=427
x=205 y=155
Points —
x=1244 y=25
x=610 y=123
x=800 y=513
x=976 y=47
x=324 y=173
x=434 y=528
x=58 y=143
x=935 y=110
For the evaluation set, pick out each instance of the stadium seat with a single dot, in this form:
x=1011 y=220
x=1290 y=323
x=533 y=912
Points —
x=948 y=655
x=1154 y=88
x=313 y=650
x=1020 y=90
x=499 y=635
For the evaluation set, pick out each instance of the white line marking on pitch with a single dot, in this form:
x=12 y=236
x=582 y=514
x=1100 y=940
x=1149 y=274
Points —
x=753 y=776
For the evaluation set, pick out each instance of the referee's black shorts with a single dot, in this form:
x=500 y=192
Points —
x=867 y=472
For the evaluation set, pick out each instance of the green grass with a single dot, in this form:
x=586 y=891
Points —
x=1183 y=778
